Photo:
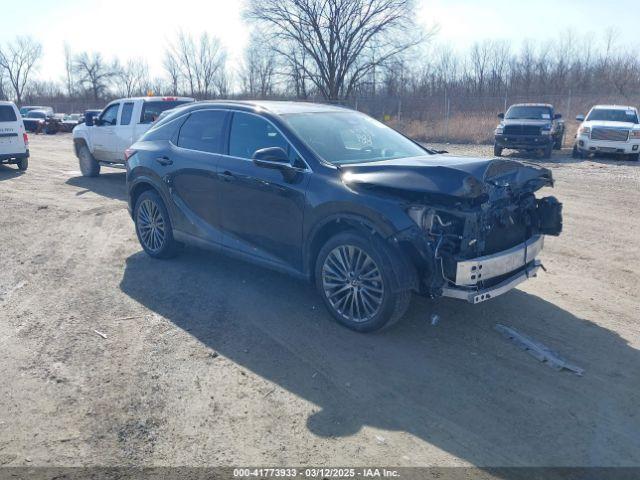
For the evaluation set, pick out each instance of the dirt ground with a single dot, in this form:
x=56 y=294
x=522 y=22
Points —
x=211 y=361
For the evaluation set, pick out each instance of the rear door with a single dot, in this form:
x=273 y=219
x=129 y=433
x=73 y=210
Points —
x=11 y=131
x=191 y=171
x=123 y=131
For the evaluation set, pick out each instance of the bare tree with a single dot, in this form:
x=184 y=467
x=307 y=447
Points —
x=172 y=68
x=133 y=77
x=337 y=35
x=201 y=63
x=259 y=68
x=68 y=70
x=18 y=59
x=94 y=72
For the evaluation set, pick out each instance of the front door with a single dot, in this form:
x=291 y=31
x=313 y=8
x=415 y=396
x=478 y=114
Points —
x=262 y=209
x=103 y=133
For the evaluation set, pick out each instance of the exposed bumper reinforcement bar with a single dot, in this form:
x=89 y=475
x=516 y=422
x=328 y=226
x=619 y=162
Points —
x=470 y=272
x=473 y=295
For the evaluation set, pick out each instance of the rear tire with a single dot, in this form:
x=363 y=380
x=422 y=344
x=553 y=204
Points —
x=497 y=151
x=88 y=165
x=153 y=226
x=354 y=279
x=23 y=164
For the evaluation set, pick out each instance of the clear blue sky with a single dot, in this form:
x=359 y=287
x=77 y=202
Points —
x=114 y=28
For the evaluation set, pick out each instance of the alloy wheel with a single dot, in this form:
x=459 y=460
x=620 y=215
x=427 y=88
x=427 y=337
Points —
x=352 y=283
x=151 y=226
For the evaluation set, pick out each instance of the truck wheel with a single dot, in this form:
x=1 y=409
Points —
x=634 y=157
x=497 y=151
x=88 y=165
x=153 y=226
x=546 y=153
x=354 y=281
x=23 y=164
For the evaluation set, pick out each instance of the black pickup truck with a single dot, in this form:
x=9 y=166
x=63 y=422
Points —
x=531 y=127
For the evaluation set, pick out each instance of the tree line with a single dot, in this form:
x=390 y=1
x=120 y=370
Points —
x=337 y=51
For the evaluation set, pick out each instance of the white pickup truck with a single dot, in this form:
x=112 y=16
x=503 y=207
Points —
x=102 y=140
x=609 y=129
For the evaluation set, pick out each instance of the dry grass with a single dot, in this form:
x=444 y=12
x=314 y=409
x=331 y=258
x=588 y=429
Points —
x=473 y=129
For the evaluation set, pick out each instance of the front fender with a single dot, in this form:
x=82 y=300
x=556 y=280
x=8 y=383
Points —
x=81 y=134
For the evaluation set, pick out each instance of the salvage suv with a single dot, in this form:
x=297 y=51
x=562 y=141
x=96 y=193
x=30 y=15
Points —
x=609 y=129
x=102 y=140
x=333 y=196
x=530 y=127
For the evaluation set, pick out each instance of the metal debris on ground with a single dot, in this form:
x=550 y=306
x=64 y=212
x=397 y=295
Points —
x=538 y=350
x=435 y=319
x=101 y=334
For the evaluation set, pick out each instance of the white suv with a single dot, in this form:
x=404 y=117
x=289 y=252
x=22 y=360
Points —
x=14 y=143
x=103 y=140
x=609 y=129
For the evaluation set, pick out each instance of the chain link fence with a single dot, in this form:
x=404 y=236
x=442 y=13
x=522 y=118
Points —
x=441 y=117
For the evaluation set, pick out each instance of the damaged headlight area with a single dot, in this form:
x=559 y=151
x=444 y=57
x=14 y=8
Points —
x=455 y=236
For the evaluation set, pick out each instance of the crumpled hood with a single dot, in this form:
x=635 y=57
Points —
x=462 y=177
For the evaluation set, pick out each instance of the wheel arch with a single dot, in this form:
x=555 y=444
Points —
x=405 y=275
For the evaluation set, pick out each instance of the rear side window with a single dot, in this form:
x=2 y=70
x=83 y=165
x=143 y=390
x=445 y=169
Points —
x=250 y=133
x=7 y=114
x=152 y=110
x=203 y=131
x=125 y=116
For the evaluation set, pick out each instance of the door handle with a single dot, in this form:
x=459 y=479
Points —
x=227 y=176
x=164 y=160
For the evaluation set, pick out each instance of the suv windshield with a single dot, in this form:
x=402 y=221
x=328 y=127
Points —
x=36 y=114
x=350 y=137
x=529 y=113
x=613 y=115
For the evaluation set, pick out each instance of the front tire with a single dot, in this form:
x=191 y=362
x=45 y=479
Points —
x=89 y=166
x=23 y=164
x=497 y=151
x=153 y=226
x=354 y=279
x=634 y=157
x=546 y=153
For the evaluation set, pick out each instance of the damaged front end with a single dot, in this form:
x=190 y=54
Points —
x=483 y=240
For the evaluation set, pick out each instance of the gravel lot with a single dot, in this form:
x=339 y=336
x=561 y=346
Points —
x=210 y=361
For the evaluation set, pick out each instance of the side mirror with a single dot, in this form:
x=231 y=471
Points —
x=580 y=118
x=557 y=116
x=271 y=157
x=501 y=116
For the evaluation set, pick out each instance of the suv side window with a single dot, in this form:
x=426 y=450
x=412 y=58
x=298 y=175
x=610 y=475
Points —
x=110 y=115
x=203 y=131
x=125 y=116
x=250 y=133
